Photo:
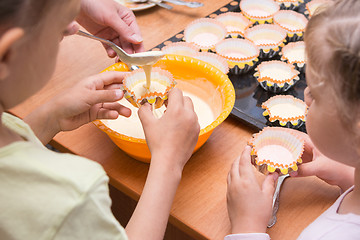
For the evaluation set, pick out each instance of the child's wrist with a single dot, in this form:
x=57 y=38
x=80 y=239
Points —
x=168 y=163
x=247 y=227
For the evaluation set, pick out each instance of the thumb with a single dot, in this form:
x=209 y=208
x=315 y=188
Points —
x=307 y=169
x=268 y=186
x=145 y=114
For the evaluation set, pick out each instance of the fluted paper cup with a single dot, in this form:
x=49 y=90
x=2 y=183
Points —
x=285 y=111
x=135 y=87
x=276 y=149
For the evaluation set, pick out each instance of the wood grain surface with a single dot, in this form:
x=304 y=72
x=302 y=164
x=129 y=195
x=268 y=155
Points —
x=199 y=210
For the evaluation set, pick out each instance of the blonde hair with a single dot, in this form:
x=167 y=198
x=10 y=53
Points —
x=332 y=39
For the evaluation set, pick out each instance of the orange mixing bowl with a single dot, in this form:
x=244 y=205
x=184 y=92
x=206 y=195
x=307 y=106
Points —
x=193 y=76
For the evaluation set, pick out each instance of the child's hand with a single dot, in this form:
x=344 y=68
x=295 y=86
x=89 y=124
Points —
x=249 y=204
x=316 y=164
x=93 y=98
x=112 y=21
x=171 y=138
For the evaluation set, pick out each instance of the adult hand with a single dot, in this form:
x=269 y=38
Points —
x=112 y=21
x=174 y=135
x=249 y=204
x=316 y=164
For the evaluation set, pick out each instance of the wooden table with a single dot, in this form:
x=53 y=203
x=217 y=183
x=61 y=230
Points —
x=199 y=209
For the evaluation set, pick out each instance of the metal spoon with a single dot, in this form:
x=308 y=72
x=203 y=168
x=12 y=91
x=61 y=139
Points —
x=275 y=204
x=176 y=2
x=188 y=4
x=157 y=2
x=139 y=59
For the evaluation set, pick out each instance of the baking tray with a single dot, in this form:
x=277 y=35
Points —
x=249 y=95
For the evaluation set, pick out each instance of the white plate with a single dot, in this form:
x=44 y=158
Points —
x=136 y=6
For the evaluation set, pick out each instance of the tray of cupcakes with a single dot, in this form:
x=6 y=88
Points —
x=259 y=45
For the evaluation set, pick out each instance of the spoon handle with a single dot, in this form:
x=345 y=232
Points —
x=160 y=4
x=275 y=205
x=188 y=4
x=121 y=53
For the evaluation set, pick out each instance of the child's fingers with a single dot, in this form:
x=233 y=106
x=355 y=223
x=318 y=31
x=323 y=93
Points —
x=306 y=169
x=268 y=186
x=103 y=96
x=234 y=171
x=106 y=78
x=122 y=110
x=107 y=114
x=188 y=103
x=146 y=115
x=245 y=167
x=175 y=98
x=113 y=86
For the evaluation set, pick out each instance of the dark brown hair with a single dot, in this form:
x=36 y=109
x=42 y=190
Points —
x=332 y=40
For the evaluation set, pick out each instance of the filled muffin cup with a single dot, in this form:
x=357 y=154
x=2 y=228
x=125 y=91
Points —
x=276 y=76
x=294 y=53
x=289 y=4
x=259 y=11
x=235 y=23
x=292 y=22
x=215 y=60
x=241 y=54
x=181 y=48
x=137 y=93
x=269 y=38
x=276 y=149
x=285 y=111
x=205 y=33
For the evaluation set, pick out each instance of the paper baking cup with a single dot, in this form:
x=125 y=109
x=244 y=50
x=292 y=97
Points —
x=205 y=33
x=276 y=149
x=181 y=48
x=293 y=22
x=294 y=53
x=161 y=83
x=313 y=5
x=259 y=11
x=289 y=4
x=215 y=60
x=241 y=54
x=285 y=111
x=235 y=23
x=269 y=38
x=276 y=76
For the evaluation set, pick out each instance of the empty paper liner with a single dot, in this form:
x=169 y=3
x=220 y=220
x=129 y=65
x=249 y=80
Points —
x=276 y=149
x=269 y=38
x=259 y=11
x=294 y=53
x=241 y=54
x=235 y=23
x=276 y=76
x=204 y=33
x=293 y=22
x=181 y=48
x=312 y=6
x=289 y=4
x=285 y=111
x=215 y=60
